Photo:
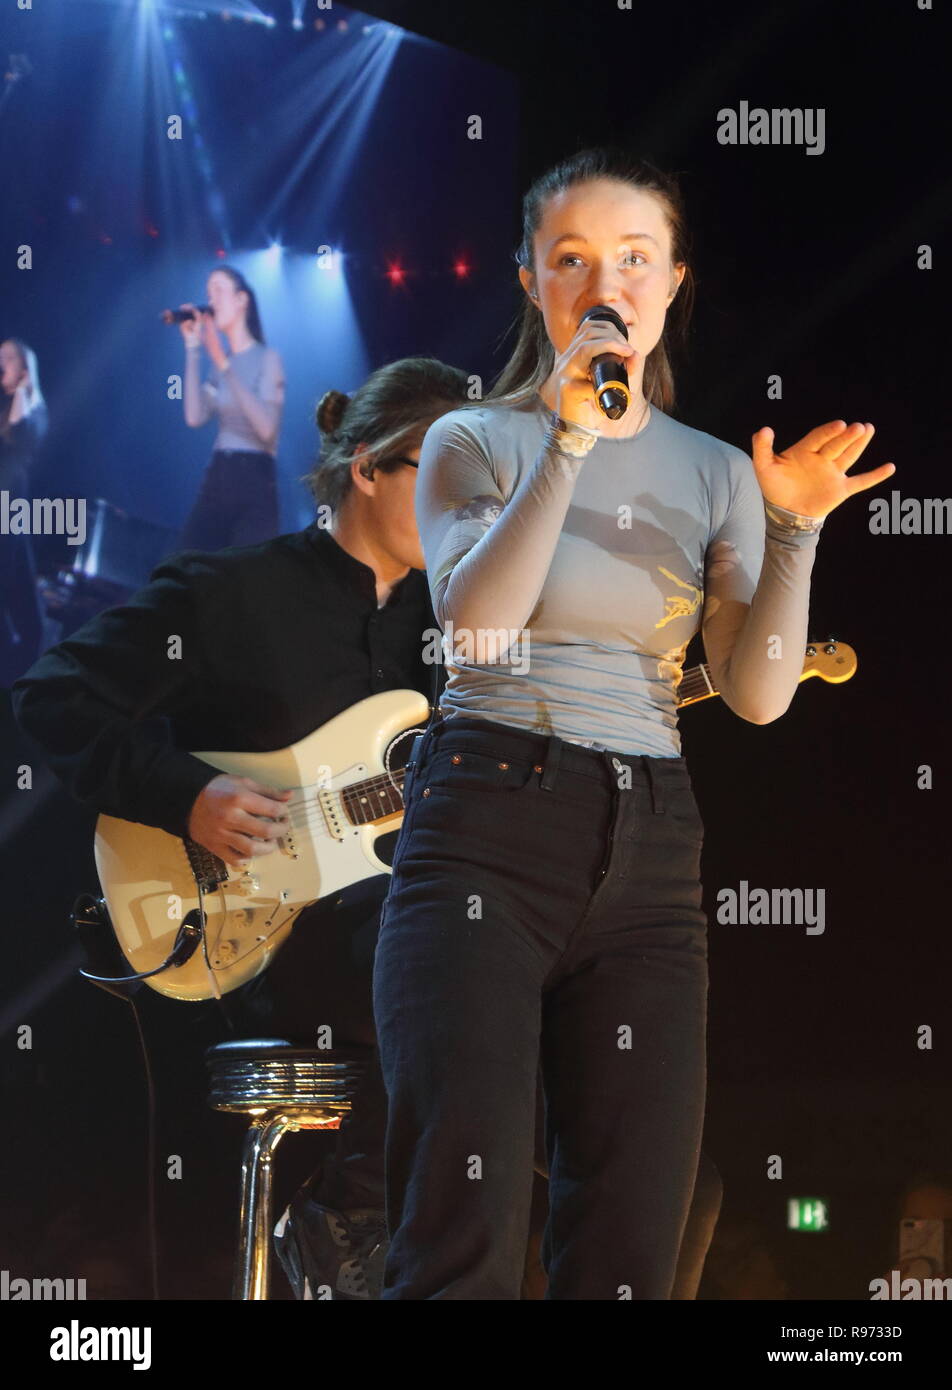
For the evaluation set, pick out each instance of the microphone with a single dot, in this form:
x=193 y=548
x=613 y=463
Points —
x=609 y=373
x=183 y=315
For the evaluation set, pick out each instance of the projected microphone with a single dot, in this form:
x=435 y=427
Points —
x=183 y=315
x=609 y=373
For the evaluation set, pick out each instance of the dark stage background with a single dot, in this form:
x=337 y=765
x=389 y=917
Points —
x=807 y=269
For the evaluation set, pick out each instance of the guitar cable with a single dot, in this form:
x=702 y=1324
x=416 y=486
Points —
x=213 y=978
x=389 y=750
x=152 y=1156
x=90 y=913
x=187 y=938
x=434 y=705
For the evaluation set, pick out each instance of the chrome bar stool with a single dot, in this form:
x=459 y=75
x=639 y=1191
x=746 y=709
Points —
x=282 y=1088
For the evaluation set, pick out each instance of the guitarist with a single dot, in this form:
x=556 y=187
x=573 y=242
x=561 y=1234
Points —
x=251 y=649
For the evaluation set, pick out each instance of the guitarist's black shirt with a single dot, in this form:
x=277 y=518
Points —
x=246 y=649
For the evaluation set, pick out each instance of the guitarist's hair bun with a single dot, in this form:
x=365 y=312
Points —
x=330 y=411
x=388 y=414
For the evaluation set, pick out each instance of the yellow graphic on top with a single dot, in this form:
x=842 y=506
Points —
x=679 y=607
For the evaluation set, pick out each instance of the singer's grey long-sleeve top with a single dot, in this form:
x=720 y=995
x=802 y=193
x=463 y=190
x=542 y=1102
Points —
x=568 y=589
x=261 y=372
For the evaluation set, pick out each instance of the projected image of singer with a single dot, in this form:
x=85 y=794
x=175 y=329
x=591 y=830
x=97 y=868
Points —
x=238 y=501
x=23 y=427
x=546 y=899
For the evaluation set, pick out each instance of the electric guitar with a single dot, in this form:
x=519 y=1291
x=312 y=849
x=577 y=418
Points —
x=204 y=927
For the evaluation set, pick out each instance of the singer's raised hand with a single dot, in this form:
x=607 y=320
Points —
x=191 y=329
x=810 y=477
x=575 y=393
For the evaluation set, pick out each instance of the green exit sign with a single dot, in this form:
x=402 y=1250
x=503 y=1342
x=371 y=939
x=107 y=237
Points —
x=807 y=1214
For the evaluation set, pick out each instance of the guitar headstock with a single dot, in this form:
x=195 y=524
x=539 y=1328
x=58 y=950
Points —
x=830 y=660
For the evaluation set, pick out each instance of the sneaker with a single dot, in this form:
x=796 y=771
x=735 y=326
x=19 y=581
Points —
x=320 y=1248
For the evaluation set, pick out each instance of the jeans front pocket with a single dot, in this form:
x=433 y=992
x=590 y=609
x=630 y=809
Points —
x=682 y=813
x=461 y=770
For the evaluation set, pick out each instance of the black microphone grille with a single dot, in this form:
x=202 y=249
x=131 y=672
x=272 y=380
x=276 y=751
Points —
x=602 y=311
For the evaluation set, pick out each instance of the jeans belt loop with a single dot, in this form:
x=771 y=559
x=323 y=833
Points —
x=654 y=782
x=550 y=767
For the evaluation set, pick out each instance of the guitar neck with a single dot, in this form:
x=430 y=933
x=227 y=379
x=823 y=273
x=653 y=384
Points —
x=831 y=660
x=377 y=797
x=697 y=683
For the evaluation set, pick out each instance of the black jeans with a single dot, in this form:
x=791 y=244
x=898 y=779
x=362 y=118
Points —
x=545 y=905
x=323 y=977
x=237 y=503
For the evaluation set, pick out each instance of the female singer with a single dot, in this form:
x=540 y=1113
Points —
x=545 y=899
x=23 y=417
x=23 y=426
x=237 y=503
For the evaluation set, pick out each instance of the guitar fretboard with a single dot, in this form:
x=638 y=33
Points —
x=374 y=798
x=697 y=683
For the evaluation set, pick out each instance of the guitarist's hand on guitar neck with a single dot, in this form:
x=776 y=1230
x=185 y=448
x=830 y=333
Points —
x=238 y=819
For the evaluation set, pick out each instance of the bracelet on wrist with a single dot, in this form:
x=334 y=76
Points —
x=792 y=522
x=566 y=437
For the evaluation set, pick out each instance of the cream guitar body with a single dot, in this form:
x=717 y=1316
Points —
x=153 y=881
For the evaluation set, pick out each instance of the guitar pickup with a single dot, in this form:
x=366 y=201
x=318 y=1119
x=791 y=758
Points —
x=334 y=816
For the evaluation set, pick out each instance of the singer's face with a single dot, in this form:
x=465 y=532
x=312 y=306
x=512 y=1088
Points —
x=226 y=301
x=11 y=367
x=603 y=242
